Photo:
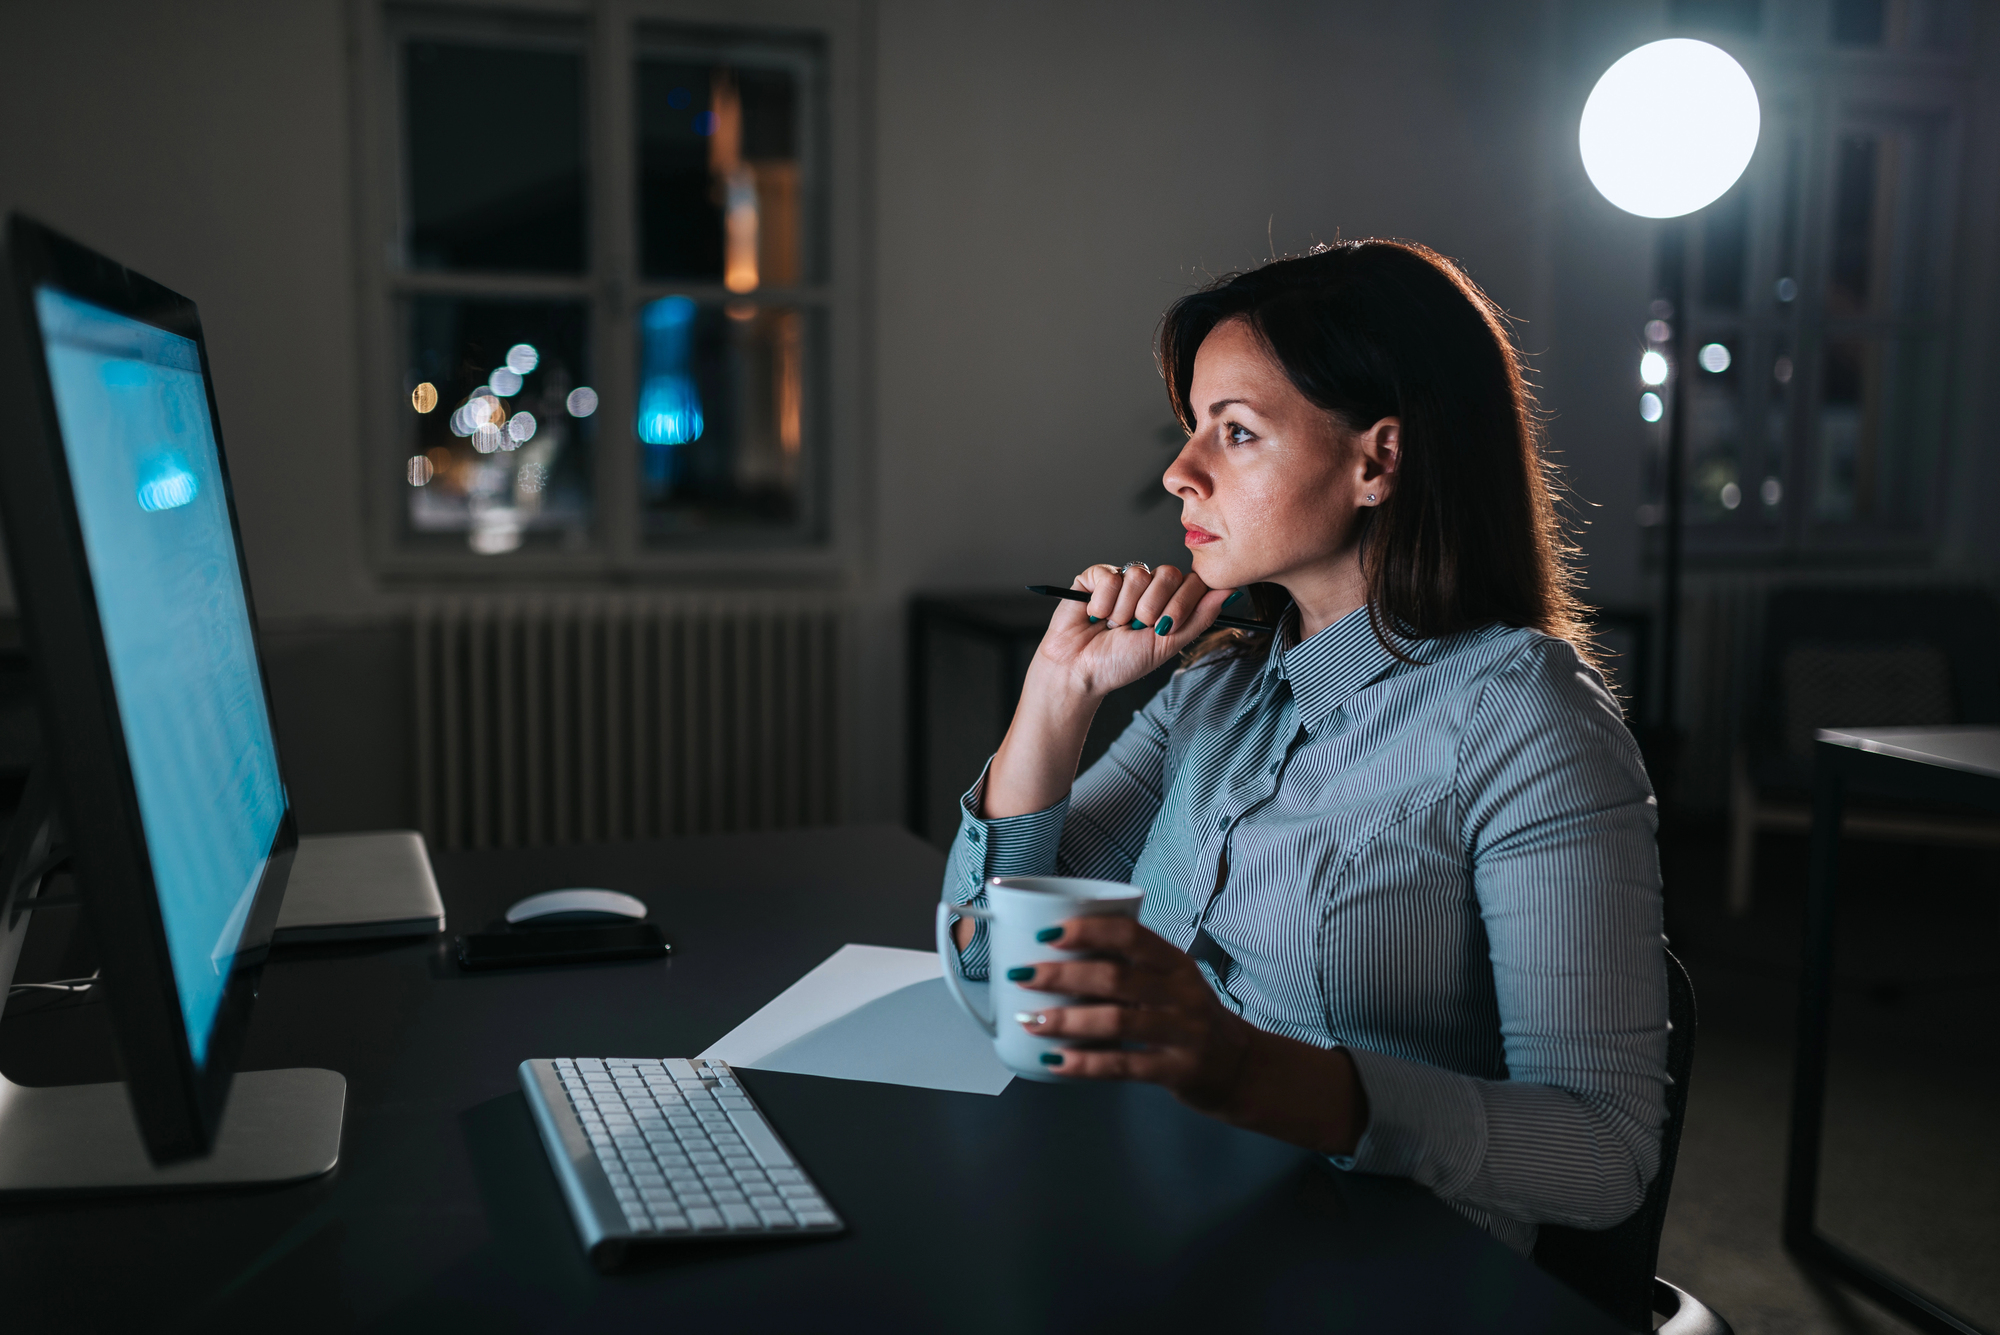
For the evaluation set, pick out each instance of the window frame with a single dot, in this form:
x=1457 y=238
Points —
x=613 y=35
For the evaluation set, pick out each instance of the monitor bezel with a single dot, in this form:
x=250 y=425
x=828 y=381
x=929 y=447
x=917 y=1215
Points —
x=178 y=1104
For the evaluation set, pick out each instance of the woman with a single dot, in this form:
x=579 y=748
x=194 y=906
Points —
x=1403 y=900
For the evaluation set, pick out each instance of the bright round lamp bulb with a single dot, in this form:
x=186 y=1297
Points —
x=1669 y=128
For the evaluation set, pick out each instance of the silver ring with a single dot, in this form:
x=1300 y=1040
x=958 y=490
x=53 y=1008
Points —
x=1129 y=564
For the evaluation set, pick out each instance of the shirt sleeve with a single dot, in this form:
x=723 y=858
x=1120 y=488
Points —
x=1559 y=821
x=1098 y=830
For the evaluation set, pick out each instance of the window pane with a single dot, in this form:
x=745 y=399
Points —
x=1859 y=22
x=501 y=406
x=495 y=158
x=1725 y=250
x=1716 y=488
x=724 y=415
x=720 y=189
x=1878 y=429
x=1856 y=266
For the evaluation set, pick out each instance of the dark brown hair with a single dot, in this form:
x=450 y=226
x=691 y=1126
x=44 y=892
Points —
x=1371 y=329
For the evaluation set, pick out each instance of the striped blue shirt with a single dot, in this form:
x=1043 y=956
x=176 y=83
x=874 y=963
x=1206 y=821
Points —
x=1445 y=866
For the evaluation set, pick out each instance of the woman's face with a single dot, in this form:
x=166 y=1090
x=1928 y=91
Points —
x=1270 y=484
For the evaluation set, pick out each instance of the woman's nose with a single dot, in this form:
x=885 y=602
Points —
x=1185 y=476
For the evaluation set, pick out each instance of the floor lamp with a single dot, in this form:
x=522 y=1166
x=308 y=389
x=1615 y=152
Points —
x=1665 y=133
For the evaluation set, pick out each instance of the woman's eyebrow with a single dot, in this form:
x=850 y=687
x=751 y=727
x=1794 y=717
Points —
x=1220 y=404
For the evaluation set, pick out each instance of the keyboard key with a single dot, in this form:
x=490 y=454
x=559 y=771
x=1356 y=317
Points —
x=761 y=1201
x=761 y=1139
x=777 y=1219
x=670 y=1223
x=816 y=1219
x=723 y=1196
x=795 y=1190
x=740 y=1216
x=786 y=1175
x=708 y=1221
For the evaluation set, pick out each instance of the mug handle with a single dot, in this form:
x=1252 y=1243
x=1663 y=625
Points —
x=948 y=958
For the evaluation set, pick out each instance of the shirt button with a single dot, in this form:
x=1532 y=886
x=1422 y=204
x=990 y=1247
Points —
x=973 y=835
x=1274 y=766
x=1222 y=822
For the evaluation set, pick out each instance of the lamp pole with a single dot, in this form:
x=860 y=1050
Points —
x=1676 y=477
x=1667 y=130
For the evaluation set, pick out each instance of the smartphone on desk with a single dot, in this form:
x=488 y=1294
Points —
x=561 y=945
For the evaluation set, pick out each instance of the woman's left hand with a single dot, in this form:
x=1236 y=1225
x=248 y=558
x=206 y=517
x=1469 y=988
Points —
x=1141 y=991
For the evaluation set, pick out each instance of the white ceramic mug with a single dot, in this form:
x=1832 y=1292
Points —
x=1016 y=908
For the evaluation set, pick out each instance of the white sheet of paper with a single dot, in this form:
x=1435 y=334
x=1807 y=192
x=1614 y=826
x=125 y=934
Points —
x=869 y=1013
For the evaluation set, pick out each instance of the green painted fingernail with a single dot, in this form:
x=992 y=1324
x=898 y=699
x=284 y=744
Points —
x=1020 y=974
x=1138 y=625
x=1235 y=597
x=1048 y=934
x=1093 y=620
x=1052 y=1059
x=1166 y=624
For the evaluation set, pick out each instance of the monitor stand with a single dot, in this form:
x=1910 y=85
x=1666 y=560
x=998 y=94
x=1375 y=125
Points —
x=277 y=1126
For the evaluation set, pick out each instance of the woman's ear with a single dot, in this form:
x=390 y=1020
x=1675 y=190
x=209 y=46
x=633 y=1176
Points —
x=1378 y=450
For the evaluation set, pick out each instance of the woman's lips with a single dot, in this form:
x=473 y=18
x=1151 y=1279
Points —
x=1198 y=537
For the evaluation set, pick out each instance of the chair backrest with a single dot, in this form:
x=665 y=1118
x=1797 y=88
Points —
x=1613 y=1267
x=1868 y=657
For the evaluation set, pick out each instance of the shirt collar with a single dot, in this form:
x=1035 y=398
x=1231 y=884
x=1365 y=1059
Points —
x=1326 y=670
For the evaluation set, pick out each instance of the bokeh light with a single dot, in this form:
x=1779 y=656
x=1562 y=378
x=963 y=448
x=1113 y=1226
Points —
x=1732 y=496
x=582 y=401
x=1650 y=407
x=1714 y=358
x=523 y=358
x=521 y=428
x=1772 y=491
x=1658 y=331
x=424 y=397
x=505 y=381
x=420 y=470
x=1652 y=368
x=1669 y=128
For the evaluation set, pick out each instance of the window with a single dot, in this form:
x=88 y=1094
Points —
x=1815 y=287
x=607 y=288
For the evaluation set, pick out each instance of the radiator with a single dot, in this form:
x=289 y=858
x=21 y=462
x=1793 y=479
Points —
x=575 y=719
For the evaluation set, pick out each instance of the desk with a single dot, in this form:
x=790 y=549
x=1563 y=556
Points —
x=1089 y=1208
x=1956 y=765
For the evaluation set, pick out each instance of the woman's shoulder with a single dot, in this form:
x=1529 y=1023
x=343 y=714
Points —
x=1541 y=695
x=1527 y=677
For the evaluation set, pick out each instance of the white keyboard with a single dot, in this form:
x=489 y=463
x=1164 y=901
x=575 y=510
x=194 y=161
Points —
x=666 y=1150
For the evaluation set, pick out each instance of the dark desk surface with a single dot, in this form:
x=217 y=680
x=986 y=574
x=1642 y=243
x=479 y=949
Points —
x=1046 y=1208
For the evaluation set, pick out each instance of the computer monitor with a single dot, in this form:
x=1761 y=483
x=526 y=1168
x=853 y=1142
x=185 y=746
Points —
x=159 y=779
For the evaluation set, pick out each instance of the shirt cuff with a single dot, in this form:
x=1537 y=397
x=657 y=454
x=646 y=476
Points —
x=1424 y=1123
x=1009 y=846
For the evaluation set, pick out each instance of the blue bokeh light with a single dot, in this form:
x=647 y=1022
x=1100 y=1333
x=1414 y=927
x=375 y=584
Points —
x=669 y=404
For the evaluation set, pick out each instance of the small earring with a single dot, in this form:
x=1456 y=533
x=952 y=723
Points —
x=1371 y=495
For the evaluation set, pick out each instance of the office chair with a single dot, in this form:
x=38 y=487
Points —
x=1613 y=1267
x=1858 y=658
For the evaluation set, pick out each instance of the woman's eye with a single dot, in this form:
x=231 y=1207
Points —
x=1236 y=434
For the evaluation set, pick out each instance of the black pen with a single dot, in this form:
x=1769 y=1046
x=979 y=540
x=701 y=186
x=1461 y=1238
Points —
x=1081 y=596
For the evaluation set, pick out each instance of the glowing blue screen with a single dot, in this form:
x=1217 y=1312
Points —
x=156 y=531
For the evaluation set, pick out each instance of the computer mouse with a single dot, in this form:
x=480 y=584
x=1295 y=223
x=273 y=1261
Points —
x=575 y=906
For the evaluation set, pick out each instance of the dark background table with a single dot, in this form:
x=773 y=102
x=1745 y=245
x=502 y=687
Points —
x=1046 y=1208
x=1953 y=766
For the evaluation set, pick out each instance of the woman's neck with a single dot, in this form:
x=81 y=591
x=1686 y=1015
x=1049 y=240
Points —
x=1326 y=591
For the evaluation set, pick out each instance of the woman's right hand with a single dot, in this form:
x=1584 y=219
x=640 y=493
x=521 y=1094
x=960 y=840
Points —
x=1136 y=620
x=1090 y=650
